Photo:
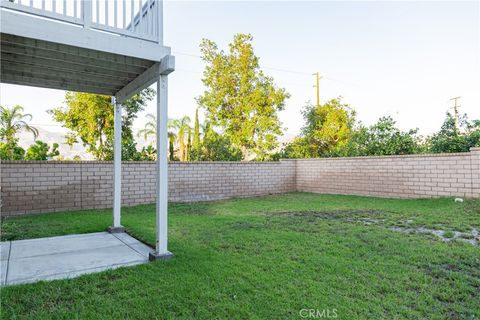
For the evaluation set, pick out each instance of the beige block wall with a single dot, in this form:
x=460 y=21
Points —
x=47 y=186
x=408 y=176
x=475 y=163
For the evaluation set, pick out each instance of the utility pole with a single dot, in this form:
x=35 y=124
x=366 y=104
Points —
x=318 y=86
x=455 y=110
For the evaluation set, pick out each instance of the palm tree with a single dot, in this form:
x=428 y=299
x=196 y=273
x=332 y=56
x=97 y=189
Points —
x=172 y=137
x=189 y=144
x=12 y=121
x=150 y=129
x=183 y=126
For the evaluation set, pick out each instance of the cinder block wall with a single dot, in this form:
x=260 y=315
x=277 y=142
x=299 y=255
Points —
x=407 y=176
x=47 y=186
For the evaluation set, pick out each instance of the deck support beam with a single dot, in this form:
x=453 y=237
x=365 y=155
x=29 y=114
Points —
x=117 y=169
x=147 y=78
x=161 y=248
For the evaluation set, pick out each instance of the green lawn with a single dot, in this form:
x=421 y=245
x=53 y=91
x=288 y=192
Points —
x=269 y=258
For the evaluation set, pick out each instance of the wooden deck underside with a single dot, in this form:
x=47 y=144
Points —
x=38 y=63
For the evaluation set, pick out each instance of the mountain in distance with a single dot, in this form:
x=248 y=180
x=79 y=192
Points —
x=50 y=137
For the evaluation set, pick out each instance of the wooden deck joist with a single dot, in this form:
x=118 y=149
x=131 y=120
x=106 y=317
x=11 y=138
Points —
x=75 y=51
x=52 y=84
x=51 y=65
x=62 y=71
x=7 y=57
x=57 y=57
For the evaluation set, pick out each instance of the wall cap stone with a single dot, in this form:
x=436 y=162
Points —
x=140 y=162
x=400 y=156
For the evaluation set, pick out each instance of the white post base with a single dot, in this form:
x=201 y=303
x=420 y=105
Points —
x=152 y=256
x=119 y=229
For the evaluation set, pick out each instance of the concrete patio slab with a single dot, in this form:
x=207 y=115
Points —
x=25 y=261
x=4 y=250
x=3 y=271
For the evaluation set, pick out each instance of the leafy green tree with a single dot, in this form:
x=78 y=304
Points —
x=296 y=149
x=11 y=151
x=453 y=139
x=90 y=117
x=148 y=153
x=328 y=127
x=217 y=147
x=239 y=98
x=327 y=130
x=63 y=158
x=129 y=149
x=382 y=138
x=473 y=137
x=41 y=151
x=12 y=121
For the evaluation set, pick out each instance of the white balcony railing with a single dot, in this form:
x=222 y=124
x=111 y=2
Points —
x=130 y=18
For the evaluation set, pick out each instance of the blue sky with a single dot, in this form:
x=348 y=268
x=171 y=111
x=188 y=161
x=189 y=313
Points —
x=404 y=59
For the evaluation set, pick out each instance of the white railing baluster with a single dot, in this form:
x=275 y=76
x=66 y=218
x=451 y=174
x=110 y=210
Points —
x=152 y=18
x=159 y=21
x=152 y=10
x=147 y=20
x=106 y=12
x=97 y=10
x=132 y=9
x=54 y=6
x=31 y=3
x=75 y=8
x=140 y=25
x=43 y=4
x=115 y=13
x=155 y=23
x=87 y=13
x=64 y=7
x=124 y=10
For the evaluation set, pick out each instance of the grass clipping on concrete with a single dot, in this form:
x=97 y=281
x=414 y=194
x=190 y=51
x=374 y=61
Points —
x=270 y=258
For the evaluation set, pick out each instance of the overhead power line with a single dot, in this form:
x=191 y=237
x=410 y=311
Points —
x=301 y=73
x=264 y=67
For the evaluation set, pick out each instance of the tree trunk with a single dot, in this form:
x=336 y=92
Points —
x=245 y=153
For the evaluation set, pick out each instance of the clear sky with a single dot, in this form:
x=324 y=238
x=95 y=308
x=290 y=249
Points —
x=404 y=59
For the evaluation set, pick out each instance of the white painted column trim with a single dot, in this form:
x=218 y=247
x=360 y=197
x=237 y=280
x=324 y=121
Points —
x=117 y=168
x=161 y=249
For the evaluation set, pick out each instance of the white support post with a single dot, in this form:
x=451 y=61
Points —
x=117 y=168
x=161 y=251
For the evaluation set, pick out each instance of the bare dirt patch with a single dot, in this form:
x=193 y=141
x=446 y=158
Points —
x=377 y=217
x=472 y=237
x=347 y=215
